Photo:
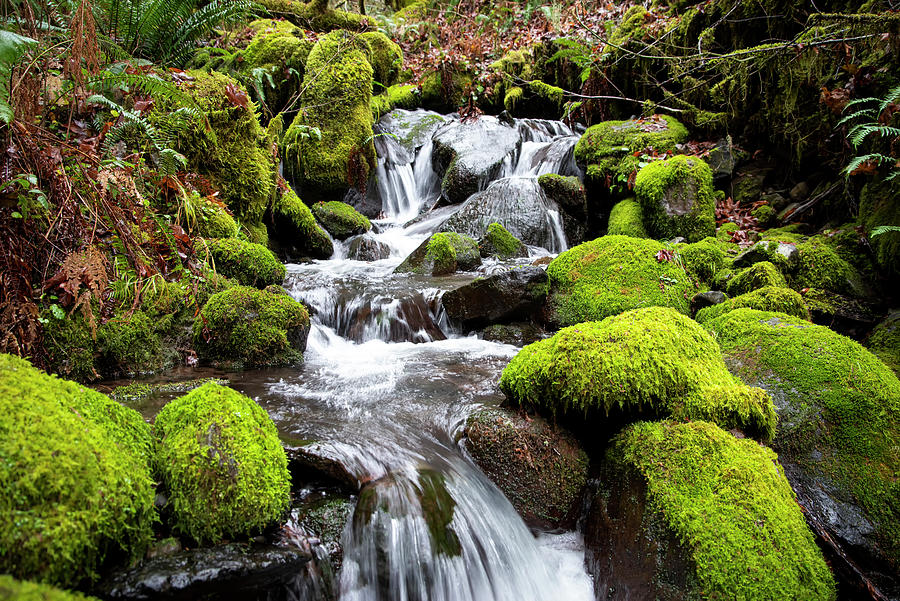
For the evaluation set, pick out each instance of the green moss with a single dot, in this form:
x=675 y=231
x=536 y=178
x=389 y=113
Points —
x=385 y=56
x=884 y=341
x=315 y=15
x=518 y=63
x=512 y=97
x=767 y=298
x=627 y=219
x=821 y=266
x=878 y=206
x=16 y=590
x=70 y=346
x=631 y=27
x=728 y=503
x=651 y=360
x=75 y=487
x=296 y=226
x=340 y=219
x=566 y=191
x=704 y=259
x=445 y=91
x=759 y=275
x=612 y=274
x=765 y=215
x=220 y=459
x=278 y=43
x=337 y=96
x=840 y=411
x=552 y=93
x=498 y=242
x=256 y=233
x=442 y=254
x=249 y=327
x=677 y=199
x=130 y=344
x=250 y=264
x=212 y=220
x=723 y=234
x=396 y=96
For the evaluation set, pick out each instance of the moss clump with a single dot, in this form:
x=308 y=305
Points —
x=512 y=98
x=765 y=215
x=274 y=62
x=396 y=96
x=498 y=242
x=758 y=275
x=884 y=341
x=75 y=488
x=442 y=254
x=767 y=298
x=17 y=590
x=627 y=219
x=337 y=95
x=444 y=91
x=838 y=405
x=130 y=344
x=703 y=259
x=71 y=347
x=340 y=219
x=878 y=206
x=250 y=264
x=612 y=274
x=315 y=15
x=385 y=56
x=544 y=90
x=243 y=326
x=728 y=503
x=822 y=267
x=677 y=198
x=647 y=360
x=220 y=459
x=212 y=220
x=296 y=227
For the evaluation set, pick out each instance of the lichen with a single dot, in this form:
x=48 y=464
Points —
x=248 y=263
x=759 y=275
x=627 y=219
x=340 y=219
x=767 y=298
x=677 y=199
x=498 y=242
x=222 y=464
x=653 y=360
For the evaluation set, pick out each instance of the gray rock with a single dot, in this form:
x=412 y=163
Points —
x=722 y=161
x=766 y=251
x=505 y=296
x=701 y=300
x=411 y=129
x=775 y=200
x=800 y=192
x=367 y=248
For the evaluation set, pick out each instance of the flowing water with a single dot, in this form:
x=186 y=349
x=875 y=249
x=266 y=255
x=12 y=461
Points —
x=386 y=387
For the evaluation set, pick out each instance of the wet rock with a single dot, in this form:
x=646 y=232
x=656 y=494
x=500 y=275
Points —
x=516 y=334
x=498 y=242
x=411 y=129
x=780 y=253
x=843 y=314
x=320 y=516
x=677 y=199
x=368 y=203
x=519 y=205
x=340 y=219
x=233 y=571
x=506 y=296
x=568 y=193
x=701 y=300
x=722 y=160
x=318 y=461
x=442 y=254
x=540 y=468
x=468 y=155
x=775 y=200
x=367 y=248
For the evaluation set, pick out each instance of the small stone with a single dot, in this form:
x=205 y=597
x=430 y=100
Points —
x=800 y=192
x=701 y=300
x=775 y=200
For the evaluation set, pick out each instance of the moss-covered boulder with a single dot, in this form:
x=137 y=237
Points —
x=222 y=464
x=385 y=56
x=442 y=254
x=340 y=219
x=703 y=260
x=688 y=511
x=248 y=263
x=498 y=242
x=316 y=15
x=760 y=275
x=212 y=220
x=627 y=219
x=652 y=361
x=677 y=198
x=296 y=230
x=130 y=344
x=18 y=590
x=884 y=341
x=75 y=487
x=245 y=327
x=767 y=298
x=540 y=467
x=397 y=96
x=337 y=93
x=612 y=274
x=275 y=61
x=606 y=150
x=839 y=422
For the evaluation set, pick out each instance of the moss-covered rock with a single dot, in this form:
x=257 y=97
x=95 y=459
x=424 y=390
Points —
x=839 y=421
x=274 y=62
x=337 y=95
x=130 y=344
x=540 y=468
x=397 y=96
x=316 y=15
x=442 y=254
x=677 y=198
x=627 y=219
x=246 y=327
x=767 y=298
x=248 y=263
x=688 y=507
x=878 y=206
x=222 y=464
x=884 y=341
x=18 y=590
x=75 y=487
x=704 y=259
x=385 y=56
x=498 y=242
x=296 y=230
x=340 y=219
x=654 y=361
x=759 y=275
x=212 y=220
x=444 y=90
x=612 y=274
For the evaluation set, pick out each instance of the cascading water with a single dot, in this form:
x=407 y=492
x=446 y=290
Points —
x=386 y=389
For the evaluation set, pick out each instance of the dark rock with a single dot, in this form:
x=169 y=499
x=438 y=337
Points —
x=368 y=203
x=747 y=187
x=786 y=211
x=701 y=300
x=775 y=200
x=442 y=254
x=232 y=571
x=843 y=314
x=568 y=193
x=722 y=161
x=800 y=192
x=781 y=253
x=516 y=334
x=323 y=513
x=540 y=468
x=318 y=461
x=367 y=248
x=505 y=296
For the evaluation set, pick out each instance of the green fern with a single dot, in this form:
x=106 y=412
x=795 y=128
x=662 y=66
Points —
x=871 y=121
x=12 y=47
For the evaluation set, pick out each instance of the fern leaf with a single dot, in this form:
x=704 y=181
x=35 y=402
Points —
x=892 y=96
x=883 y=229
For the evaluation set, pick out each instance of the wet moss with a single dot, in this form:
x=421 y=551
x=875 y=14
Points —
x=19 y=590
x=396 y=96
x=677 y=199
x=221 y=461
x=340 y=219
x=130 y=345
x=512 y=97
x=295 y=226
x=71 y=347
x=646 y=361
x=75 y=487
x=498 y=242
x=728 y=503
x=767 y=298
x=212 y=220
x=627 y=219
x=613 y=274
x=442 y=254
x=385 y=56
x=758 y=275
x=315 y=15
x=248 y=263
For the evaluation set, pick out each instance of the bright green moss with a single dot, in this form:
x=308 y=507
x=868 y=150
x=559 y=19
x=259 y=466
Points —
x=277 y=43
x=631 y=27
x=677 y=199
x=518 y=63
x=212 y=220
x=765 y=215
x=552 y=93
x=250 y=264
x=512 y=98
x=221 y=461
x=651 y=360
x=759 y=275
x=445 y=93
x=627 y=219
x=243 y=326
x=385 y=56
x=130 y=344
x=497 y=241
x=17 y=590
x=612 y=274
x=884 y=341
x=70 y=346
x=257 y=233
x=728 y=503
x=396 y=96
x=296 y=226
x=839 y=413
x=442 y=254
x=75 y=488
x=767 y=298
x=340 y=219
x=315 y=15
x=703 y=259
x=723 y=234
x=822 y=267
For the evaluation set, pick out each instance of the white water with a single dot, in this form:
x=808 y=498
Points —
x=386 y=389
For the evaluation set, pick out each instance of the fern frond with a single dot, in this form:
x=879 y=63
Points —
x=883 y=229
x=170 y=161
x=892 y=96
x=854 y=164
x=860 y=132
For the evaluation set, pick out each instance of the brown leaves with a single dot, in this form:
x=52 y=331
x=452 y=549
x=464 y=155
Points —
x=81 y=279
x=665 y=256
x=835 y=99
x=237 y=96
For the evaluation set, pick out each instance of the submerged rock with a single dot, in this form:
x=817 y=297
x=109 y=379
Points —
x=367 y=248
x=506 y=296
x=516 y=334
x=340 y=219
